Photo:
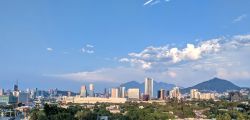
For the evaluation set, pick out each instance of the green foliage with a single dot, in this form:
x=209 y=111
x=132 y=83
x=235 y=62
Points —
x=225 y=116
x=221 y=110
x=38 y=115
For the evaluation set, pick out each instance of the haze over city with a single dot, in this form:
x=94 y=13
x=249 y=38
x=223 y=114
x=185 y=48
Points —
x=64 y=44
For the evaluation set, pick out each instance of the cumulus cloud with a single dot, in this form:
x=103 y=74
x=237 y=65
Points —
x=49 y=49
x=224 y=57
x=240 y=18
x=152 y=56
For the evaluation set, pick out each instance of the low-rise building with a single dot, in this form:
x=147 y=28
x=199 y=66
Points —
x=93 y=100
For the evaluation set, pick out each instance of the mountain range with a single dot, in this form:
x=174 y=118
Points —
x=215 y=84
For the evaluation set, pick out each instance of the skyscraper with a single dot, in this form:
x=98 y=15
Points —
x=122 y=92
x=114 y=93
x=83 y=91
x=16 y=86
x=149 y=90
x=91 y=90
x=161 y=94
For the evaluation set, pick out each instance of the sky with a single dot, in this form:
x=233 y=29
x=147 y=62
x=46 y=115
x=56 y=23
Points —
x=64 y=44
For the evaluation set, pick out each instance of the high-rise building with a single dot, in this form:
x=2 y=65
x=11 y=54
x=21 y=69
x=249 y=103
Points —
x=16 y=86
x=1 y=91
x=83 y=91
x=161 y=94
x=175 y=93
x=134 y=93
x=149 y=87
x=91 y=90
x=122 y=92
x=106 y=93
x=194 y=94
x=23 y=98
x=69 y=93
x=114 y=93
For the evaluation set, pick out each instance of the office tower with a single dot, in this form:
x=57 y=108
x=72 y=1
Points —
x=83 y=91
x=114 y=93
x=149 y=90
x=161 y=94
x=106 y=93
x=134 y=93
x=194 y=94
x=23 y=98
x=122 y=92
x=16 y=86
x=36 y=93
x=1 y=91
x=91 y=90
x=175 y=93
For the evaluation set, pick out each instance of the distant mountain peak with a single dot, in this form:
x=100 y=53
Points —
x=215 y=84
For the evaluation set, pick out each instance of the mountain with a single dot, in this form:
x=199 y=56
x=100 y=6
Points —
x=215 y=84
x=157 y=86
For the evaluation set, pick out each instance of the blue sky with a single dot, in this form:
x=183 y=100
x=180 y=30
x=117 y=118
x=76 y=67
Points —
x=41 y=42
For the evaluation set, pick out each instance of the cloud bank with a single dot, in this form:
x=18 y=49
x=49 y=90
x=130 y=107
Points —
x=224 y=57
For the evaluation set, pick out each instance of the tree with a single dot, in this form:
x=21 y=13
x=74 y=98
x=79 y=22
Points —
x=38 y=115
x=85 y=115
x=225 y=116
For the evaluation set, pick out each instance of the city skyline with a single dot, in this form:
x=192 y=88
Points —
x=48 y=44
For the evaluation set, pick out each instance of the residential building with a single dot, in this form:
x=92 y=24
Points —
x=114 y=93
x=134 y=93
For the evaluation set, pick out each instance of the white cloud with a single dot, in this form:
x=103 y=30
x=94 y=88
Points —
x=148 y=2
x=89 y=46
x=158 y=56
x=88 y=49
x=232 y=74
x=224 y=57
x=49 y=49
x=240 y=18
x=154 y=2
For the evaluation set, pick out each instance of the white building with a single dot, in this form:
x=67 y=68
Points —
x=134 y=93
x=93 y=100
x=175 y=93
x=1 y=91
x=195 y=94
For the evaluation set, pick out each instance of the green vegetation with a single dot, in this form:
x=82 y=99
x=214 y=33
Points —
x=221 y=110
